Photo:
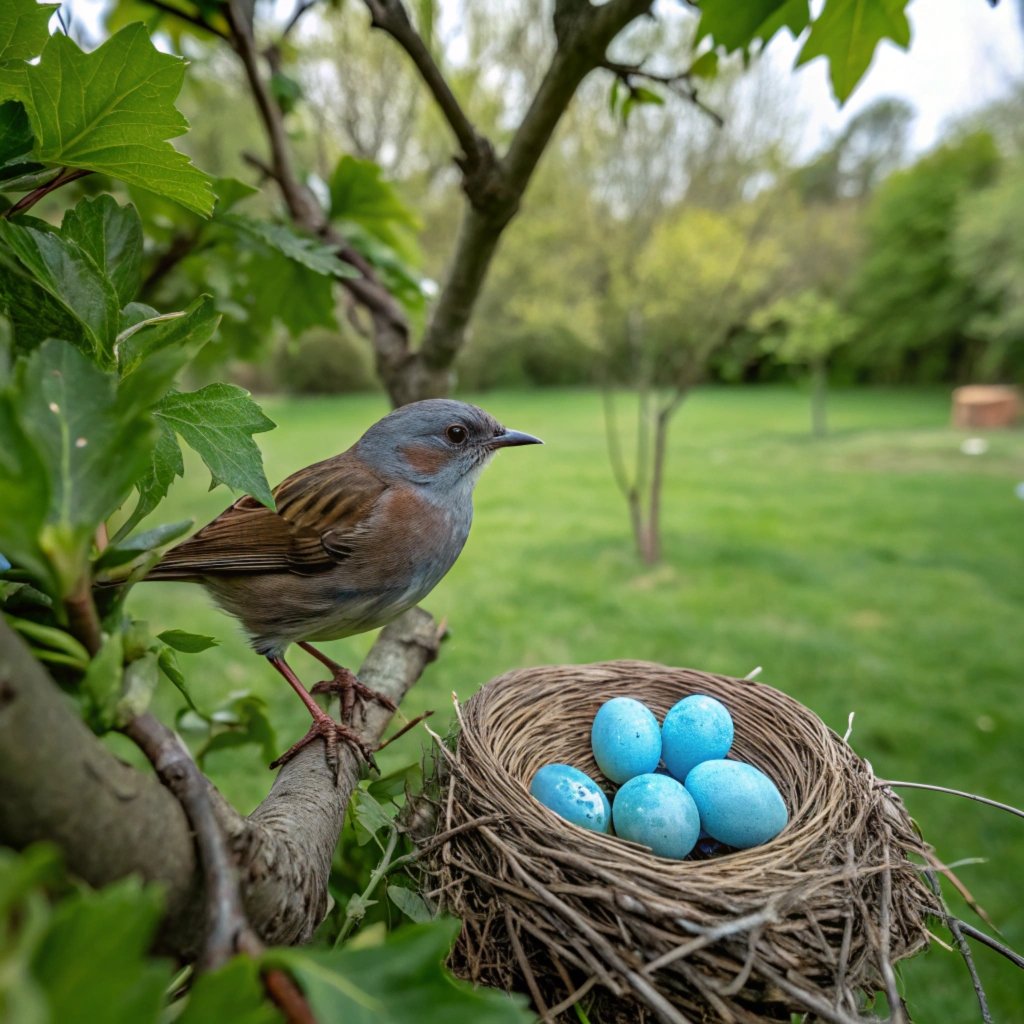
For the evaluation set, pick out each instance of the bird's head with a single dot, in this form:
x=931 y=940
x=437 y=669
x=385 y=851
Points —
x=438 y=442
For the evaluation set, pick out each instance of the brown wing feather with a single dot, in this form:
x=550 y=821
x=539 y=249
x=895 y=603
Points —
x=317 y=525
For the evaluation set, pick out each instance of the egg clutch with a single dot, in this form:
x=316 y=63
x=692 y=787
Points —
x=677 y=792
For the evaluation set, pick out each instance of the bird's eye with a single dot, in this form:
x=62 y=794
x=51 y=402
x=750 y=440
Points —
x=457 y=433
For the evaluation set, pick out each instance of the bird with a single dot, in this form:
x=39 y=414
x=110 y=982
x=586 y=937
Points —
x=354 y=541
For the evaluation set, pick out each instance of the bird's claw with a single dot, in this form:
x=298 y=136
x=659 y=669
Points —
x=351 y=693
x=332 y=733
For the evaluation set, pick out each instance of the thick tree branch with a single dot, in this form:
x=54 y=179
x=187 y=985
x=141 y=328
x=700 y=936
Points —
x=59 y=783
x=584 y=33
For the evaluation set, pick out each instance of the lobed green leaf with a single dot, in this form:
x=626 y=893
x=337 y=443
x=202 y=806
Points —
x=847 y=33
x=24 y=28
x=112 y=111
x=218 y=422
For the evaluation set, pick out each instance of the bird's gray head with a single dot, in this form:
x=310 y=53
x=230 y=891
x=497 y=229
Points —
x=438 y=443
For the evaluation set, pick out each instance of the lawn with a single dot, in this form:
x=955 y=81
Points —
x=879 y=571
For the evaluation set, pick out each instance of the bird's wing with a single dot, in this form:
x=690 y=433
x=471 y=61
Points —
x=320 y=517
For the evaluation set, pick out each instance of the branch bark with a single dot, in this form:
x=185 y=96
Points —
x=59 y=783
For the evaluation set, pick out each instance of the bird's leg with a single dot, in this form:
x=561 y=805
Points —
x=323 y=725
x=345 y=684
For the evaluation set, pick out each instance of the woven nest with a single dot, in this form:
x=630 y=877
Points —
x=810 y=922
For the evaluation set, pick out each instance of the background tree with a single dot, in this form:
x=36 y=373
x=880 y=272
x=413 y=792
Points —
x=803 y=330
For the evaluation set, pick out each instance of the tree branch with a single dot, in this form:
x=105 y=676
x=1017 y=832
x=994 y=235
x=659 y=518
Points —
x=193 y=19
x=390 y=16
x=58 y=783
x=584 y=33
x=26 y=202
x=680 y=83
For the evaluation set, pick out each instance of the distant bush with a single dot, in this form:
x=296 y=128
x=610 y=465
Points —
x=522 y=358
x=324 y=362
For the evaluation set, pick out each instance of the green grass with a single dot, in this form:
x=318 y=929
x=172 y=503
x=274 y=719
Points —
x=879 y=571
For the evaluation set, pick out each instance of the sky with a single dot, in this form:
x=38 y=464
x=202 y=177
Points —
x=963 y=53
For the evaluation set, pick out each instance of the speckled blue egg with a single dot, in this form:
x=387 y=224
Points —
x=738 y=804
x=625 y=739
x=572 y=795
x=656 y=811
x=698 y=728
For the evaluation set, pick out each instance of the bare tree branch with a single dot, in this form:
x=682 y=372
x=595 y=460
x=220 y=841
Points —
x=58 y=783
x=391 y=17
x=680 y=83
x=197 y=21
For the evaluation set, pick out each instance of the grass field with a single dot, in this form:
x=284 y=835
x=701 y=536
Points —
x=879 y=571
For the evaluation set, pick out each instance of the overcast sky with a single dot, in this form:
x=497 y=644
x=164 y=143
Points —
x=962 y=54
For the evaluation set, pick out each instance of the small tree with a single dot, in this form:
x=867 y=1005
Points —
x=803 y=330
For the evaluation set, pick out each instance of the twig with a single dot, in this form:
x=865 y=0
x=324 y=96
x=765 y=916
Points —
x=301 y=8
x=886 y=783
x=382 y=868
x=1015 y=958
x=83 y=620
x=962 y=946
x=405 y=728
x=192 y=19
x=680 y=83
x=390 y=16
x=27 y=201
x=226 y=923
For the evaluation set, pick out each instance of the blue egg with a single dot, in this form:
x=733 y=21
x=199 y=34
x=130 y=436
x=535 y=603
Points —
x=572 y=795
x=625 y=739
x=738 y=804
x=656 y=811
x=698 y=728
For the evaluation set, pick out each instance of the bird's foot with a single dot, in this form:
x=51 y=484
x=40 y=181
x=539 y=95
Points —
x=332 y=733
x=351 y=692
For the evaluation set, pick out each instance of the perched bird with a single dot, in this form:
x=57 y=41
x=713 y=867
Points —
x=355 y=541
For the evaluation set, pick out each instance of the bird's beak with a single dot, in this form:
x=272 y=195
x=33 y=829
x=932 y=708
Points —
x=511 y=438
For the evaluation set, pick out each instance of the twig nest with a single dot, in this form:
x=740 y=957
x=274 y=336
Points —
x=812 y=921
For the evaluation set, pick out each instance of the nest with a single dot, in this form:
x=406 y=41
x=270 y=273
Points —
x=810 y=922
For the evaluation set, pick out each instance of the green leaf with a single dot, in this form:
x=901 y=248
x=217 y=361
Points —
x=735 y=26
x=140 y=681
x=187 y=643
x=218 y=422
x=705 y=66
x=359 y=194
x=111 y=111
x=51 y=287
x=129 y=549
x=286 y=91
x=24 y=28
x=24 y=494
x=372 y=816
x=242 y=721
x=391 y=983
x=16 y=141
x=642 y=95
x=232 y=993
x=847 y=32
x=165 y=464
x=410 y=903
x=177 y=336
x=112 y=927
x=278 y=288
x=323 y=259
x=112 y=235
x=95 y=446
x=230 y=192
x=102 y=682
x=53 y=638
x=167 y=660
